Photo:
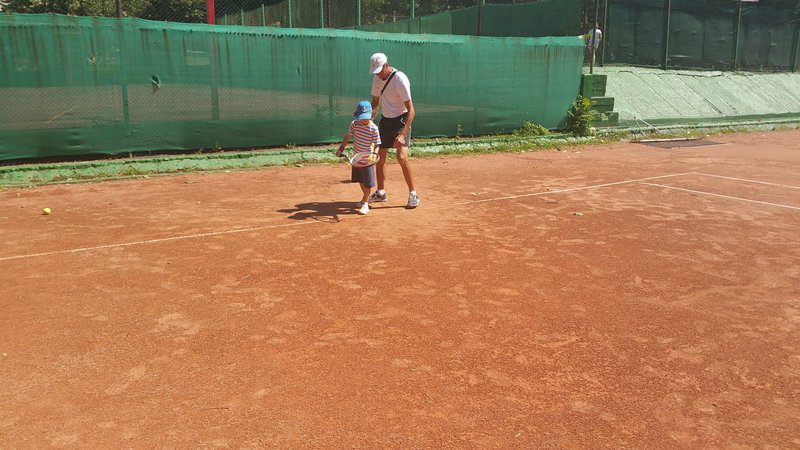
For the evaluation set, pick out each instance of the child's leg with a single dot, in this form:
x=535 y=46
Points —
x=365 y=190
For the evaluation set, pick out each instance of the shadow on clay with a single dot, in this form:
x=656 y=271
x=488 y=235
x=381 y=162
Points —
x=321 y=211
x=328 y=211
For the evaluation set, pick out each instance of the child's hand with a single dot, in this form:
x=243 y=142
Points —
x=340 y=151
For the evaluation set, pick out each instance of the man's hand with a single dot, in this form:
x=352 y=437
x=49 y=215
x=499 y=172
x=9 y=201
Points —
x=400 y=140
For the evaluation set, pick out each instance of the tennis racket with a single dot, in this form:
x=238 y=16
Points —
x=361 y=160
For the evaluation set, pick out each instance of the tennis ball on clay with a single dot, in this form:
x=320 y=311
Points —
x=46 y=211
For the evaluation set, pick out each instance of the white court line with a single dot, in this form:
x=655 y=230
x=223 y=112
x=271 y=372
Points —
x=558 y=191
x=152 y=241
x=723 y=196
x=246 y=230
x=746 y=180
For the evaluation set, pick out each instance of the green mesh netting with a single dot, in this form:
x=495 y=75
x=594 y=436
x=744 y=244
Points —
x=78 y=85
x=701 y=35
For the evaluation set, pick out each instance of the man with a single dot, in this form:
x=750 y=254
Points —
x=392 y=91
x=593 y=38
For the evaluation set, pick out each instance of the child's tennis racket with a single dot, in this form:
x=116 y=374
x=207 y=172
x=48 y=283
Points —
x=361 y=160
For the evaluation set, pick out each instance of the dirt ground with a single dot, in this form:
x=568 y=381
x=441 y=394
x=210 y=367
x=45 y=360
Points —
x=612 y=296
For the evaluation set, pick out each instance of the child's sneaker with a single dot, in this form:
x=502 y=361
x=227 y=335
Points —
x=376 y=197
x=364 y=210
x=413 y=200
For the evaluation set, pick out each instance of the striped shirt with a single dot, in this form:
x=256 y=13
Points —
x=364 y=135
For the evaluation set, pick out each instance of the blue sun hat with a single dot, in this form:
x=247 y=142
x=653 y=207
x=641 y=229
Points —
x=363 y=110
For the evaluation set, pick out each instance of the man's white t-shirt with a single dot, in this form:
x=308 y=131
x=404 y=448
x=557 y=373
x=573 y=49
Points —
x=595 y=36
x=394 y=97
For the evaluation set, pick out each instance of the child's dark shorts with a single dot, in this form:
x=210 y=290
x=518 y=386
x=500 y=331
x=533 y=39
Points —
x=365 y=176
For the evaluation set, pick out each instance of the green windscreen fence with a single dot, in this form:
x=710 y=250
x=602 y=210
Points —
x=688 y=33
x=78 y=85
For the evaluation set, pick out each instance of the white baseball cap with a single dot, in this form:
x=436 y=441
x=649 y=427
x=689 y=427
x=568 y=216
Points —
x=376 y=62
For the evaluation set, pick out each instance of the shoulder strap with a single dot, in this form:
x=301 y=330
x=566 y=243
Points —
x=387 y=82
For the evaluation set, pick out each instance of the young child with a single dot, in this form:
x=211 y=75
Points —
x=365 y=139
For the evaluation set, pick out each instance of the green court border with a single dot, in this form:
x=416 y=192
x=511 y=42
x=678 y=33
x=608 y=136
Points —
x=36 y=174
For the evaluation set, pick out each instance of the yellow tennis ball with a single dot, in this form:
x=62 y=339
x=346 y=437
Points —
x=46 y=211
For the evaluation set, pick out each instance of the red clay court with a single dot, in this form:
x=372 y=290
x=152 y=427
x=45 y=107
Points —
x=619 y=296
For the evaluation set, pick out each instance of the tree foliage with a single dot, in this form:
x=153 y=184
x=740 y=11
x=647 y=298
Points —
x=167 y=10
x=74 y=7
x=190 y=11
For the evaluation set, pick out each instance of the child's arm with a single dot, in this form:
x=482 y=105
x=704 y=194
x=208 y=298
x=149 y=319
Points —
x=343 y=144
x=376 y=141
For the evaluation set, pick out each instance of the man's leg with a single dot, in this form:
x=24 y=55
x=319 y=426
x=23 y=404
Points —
x=402 y=158
x=380 y=176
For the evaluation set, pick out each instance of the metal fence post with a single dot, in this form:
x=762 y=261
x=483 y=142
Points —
x=593 y=42
x=413 y=5
x=321 y=13
x=358 y=13
x=289 y=5
x=796 y=58
x=123 y=66
x=213 y=59
x=735 y=58
x=210 y=12
x=480 y=19
x=605 y=35
x=666 y=35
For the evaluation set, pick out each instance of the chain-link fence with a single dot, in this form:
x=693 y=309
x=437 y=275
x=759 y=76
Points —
x=284 y=13
x=334 y=13
x=464 y=17
x=481 y=17
x=327 y=13
x=529 y=17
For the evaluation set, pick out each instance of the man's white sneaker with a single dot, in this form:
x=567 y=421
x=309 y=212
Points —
x=413 y=200
x=364 y=210
x=376 y=198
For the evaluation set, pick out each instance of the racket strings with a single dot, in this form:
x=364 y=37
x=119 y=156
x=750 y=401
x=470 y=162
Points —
x=364 y=159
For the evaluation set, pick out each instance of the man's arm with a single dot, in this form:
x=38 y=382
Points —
x=376 y=101
x=402 y=137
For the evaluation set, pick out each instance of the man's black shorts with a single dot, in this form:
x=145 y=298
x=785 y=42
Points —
x=389 y=128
